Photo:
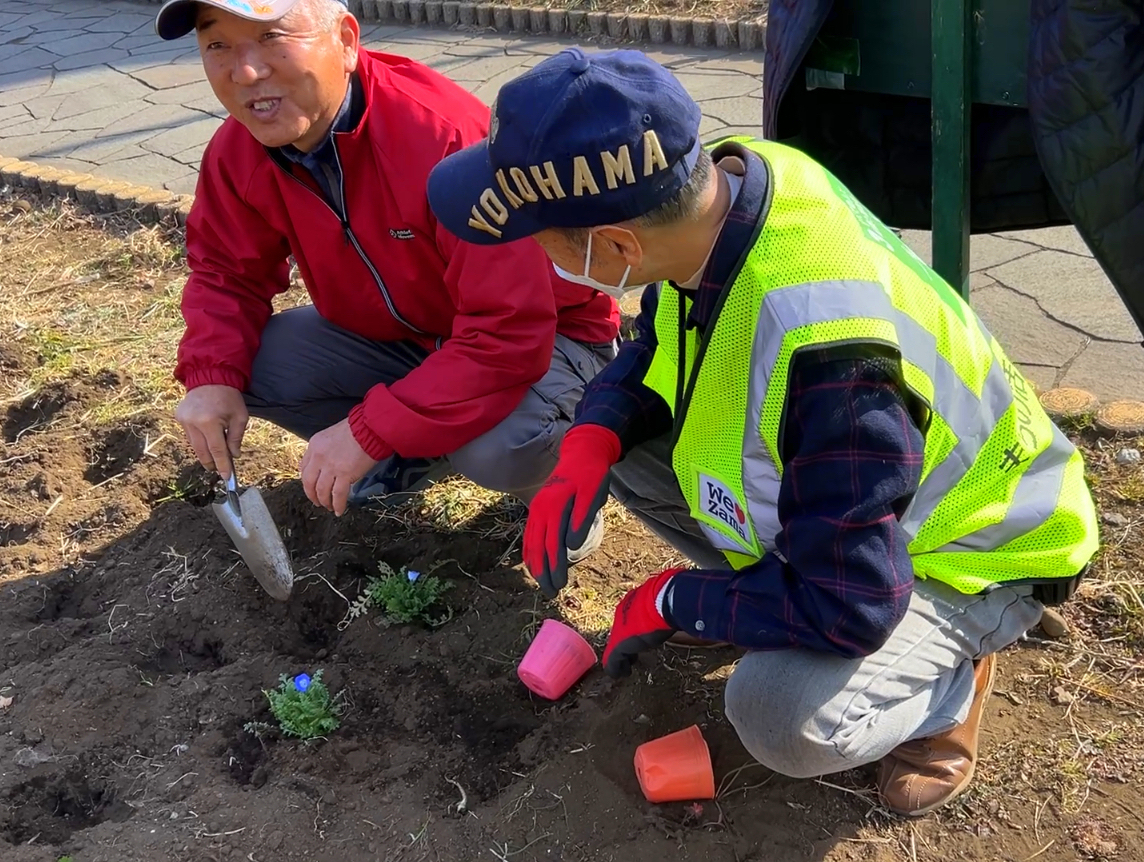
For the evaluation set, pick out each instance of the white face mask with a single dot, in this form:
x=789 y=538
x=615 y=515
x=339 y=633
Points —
x=616 y=291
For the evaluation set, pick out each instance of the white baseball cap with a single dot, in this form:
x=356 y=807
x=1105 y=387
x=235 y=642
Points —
x=177 y=17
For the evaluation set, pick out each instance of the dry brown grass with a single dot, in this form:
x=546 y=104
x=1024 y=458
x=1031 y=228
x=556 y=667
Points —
x=84 y=293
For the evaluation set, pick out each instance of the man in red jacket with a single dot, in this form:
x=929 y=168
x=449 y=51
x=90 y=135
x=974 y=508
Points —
x=420 y=354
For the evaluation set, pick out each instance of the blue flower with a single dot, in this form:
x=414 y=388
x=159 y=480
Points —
x=413 y=576
x=302 y=682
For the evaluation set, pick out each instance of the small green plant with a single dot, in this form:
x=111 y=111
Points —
x=303 y=706
x=405 y=600
x=258 y=729
x=404 y=597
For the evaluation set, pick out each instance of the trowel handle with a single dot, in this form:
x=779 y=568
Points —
x=231 y=484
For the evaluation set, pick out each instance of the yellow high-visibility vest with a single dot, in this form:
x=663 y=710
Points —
x=1002 y=498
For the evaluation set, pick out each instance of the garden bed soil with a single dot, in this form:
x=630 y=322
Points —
x=135 y=648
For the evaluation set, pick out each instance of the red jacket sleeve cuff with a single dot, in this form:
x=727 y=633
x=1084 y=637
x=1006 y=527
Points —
x=373 y=445
x=214 y=376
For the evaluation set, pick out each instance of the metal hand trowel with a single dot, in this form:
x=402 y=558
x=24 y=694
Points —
x=250 y=527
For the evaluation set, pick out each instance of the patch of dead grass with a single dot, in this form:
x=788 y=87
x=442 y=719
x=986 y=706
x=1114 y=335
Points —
x=86 y=293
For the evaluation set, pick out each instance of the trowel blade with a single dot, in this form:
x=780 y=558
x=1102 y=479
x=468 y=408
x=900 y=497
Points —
x=256 y=537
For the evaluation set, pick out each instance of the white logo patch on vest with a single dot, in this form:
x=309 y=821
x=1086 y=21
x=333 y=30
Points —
x=717 y=501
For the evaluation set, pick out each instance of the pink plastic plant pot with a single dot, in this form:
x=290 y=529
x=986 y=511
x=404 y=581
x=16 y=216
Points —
x=557 y=657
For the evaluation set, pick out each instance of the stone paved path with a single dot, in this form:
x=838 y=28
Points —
x=87 y=85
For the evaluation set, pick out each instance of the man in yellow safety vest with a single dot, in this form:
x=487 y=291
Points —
x=872 y=493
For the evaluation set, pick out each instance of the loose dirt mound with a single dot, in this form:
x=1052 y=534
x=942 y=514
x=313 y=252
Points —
x=135 y=671
x=135 y=647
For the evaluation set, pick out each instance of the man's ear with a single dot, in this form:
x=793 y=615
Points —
x=350 y=32
x=621 y=241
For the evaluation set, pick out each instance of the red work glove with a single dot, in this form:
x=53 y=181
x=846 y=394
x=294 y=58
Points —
x=563 y=510
x=639 y=623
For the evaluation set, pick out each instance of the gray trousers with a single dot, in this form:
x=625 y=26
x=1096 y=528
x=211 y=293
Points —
x=309 y=373
x=804 y=713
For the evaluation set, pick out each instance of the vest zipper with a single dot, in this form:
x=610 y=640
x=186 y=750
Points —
x=343 y=218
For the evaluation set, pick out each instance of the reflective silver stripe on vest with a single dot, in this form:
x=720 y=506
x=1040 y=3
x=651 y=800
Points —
x=1034 y=500
x=719 y=541
x=971 y=419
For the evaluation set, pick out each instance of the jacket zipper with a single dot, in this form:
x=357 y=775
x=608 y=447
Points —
x=343 y=219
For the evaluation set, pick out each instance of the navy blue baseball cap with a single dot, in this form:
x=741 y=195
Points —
x=580 y=140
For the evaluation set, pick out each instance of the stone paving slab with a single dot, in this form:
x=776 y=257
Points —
x=88 y=86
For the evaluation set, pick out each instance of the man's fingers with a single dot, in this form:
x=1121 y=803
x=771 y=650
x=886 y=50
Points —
x=584 y=512
x=235 y=431
x=219 y=452
x=309 y=481
x=556 y=552
x=618 y=666
x=323 y=489
x=199 y=445
x=341 y=494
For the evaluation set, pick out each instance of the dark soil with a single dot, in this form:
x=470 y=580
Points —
x=136 y=667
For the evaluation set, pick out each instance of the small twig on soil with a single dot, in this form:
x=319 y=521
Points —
x=518 y=803
x=52 y=507
x=104 y=482
x=150 y=444
x=863 y=795
x=327 y=583
x=504 y=854
x=180 y=778
x=729 y=778
x=26 y=456
x=1042 y=850
x=463 y=805
x=111 y=630
x=716 y=823
x=473 y=577
x=1037 y=818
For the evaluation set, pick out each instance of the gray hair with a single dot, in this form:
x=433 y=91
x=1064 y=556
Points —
x=325 y=14
x=681 y=207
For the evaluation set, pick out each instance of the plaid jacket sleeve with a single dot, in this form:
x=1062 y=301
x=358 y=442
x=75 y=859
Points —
x=842 y=578
x=617 y=397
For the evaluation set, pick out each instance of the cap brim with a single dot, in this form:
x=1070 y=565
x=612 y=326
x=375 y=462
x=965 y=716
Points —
x=455 y=187
x=177 y=17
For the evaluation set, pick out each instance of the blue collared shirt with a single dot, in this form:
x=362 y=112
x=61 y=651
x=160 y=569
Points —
x=322 y=161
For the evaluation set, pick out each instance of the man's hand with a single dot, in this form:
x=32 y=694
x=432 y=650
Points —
x=214 y=419
x=563 y=510
x=639 y=623
x=334 y=460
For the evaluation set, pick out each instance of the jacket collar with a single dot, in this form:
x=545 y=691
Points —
x=740 y=230
x=347 y=120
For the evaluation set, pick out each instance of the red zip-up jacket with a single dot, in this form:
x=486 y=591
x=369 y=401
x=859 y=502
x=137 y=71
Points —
x=488 y=314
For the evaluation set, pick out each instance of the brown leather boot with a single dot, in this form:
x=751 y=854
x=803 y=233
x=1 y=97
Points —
x=920 y=776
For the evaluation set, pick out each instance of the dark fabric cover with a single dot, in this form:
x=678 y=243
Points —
x=1074 y=156
x=1086 y=106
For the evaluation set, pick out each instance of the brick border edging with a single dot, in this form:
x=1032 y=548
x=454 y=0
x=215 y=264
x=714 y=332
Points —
x=745 y=34
x=94 y=194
